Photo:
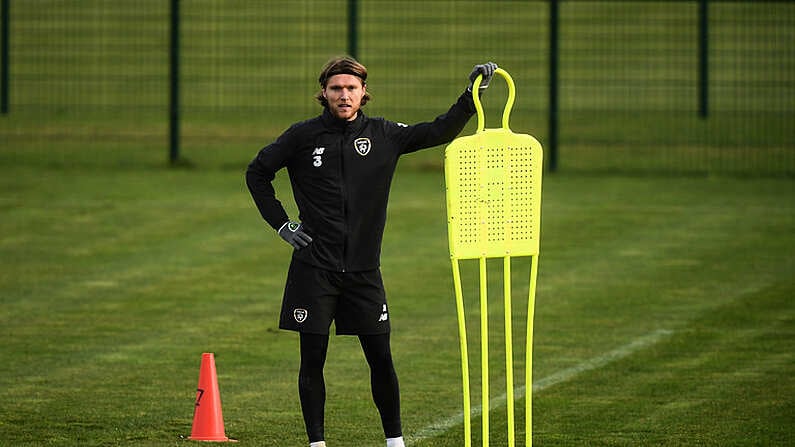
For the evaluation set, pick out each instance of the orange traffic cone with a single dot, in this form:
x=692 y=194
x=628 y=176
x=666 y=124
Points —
x=208 y=422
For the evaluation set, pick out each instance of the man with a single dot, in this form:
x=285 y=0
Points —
x=340 y=166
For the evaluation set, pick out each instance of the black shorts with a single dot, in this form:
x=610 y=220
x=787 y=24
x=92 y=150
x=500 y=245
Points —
x=314 y=297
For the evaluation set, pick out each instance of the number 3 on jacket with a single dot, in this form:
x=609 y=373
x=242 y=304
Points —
x=316 y=155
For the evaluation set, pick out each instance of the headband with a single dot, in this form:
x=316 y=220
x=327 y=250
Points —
x=325 y=76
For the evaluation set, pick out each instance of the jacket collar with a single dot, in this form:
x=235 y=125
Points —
x=342 y=125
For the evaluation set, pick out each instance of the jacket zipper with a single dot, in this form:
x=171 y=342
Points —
x=344 y=200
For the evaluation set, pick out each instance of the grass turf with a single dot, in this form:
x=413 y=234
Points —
x=113 y=282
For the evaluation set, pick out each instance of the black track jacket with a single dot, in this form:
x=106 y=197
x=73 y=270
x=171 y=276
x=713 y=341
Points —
x=340 y=173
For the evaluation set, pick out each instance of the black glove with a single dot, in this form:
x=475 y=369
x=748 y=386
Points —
x=487 y=70
x=292 y=232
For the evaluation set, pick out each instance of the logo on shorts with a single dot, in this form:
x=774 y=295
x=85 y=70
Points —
x=300 y=315
x=384 y=314
x=362 y=146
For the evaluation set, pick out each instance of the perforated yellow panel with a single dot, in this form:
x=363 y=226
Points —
x=493 y=194
x=494 y=188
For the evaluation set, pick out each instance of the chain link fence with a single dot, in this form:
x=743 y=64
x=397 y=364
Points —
x=629 y=86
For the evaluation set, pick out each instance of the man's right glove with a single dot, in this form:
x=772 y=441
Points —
x=487 y=70
x=293 y=233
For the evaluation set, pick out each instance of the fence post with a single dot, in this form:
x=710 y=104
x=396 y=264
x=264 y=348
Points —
x=353 y=28
x=703 y=58
x=173 y=127
x=5 y=70
x=552 y=145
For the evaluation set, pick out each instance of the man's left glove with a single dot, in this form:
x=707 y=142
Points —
x=293 y=233
x=487 y=70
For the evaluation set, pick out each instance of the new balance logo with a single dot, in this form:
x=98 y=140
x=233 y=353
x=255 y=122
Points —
x=384 y=314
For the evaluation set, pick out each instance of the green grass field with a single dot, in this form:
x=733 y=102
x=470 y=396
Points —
x=664 y=313
x=114 y=281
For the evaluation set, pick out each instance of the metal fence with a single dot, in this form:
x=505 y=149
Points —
x=636 y=86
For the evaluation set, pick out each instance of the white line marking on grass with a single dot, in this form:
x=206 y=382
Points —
x=443 y=425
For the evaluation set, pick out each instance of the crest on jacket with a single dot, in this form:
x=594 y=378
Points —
x=362 y=146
